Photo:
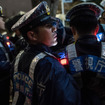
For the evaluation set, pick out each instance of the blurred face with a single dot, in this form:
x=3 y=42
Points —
x=47 y=35
x=2 y=24
x=103 y=15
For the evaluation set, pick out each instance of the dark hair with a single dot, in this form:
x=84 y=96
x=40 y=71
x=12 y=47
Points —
x=84 y=24
x=34 y=28
x=102 y=14
x=24 y=32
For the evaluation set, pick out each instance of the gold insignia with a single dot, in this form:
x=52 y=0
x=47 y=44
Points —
x=47 y=10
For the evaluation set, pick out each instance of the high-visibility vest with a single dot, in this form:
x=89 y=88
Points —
x=86 y=62
x=31 y=73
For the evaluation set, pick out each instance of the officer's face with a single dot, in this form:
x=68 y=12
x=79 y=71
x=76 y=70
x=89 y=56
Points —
x=2 y=24
x=103 y=16
x=47 y=35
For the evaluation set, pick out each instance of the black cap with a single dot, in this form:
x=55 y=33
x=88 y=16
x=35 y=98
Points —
x=87 y=8
x=12 y=20
x=39 y=14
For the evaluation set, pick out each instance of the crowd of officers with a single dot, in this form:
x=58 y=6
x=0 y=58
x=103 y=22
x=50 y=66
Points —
x=31 y=58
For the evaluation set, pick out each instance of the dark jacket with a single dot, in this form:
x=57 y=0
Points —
x=93 y=87
x=88 y=45
x=51 y=85
x=4 y=74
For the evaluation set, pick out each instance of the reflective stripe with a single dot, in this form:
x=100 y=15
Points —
x=33 y=64
x=50 y=54
x=17 y=61
x=103 y=50
x=16 y=95
x=71 y=51
x=1 y=45
x=31 y=71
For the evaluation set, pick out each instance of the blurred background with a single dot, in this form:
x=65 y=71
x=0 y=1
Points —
x=58 y=7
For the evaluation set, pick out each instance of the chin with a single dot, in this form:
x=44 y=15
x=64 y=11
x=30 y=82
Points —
x=55 y=43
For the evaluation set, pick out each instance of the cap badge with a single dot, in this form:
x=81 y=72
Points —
x=47 y=10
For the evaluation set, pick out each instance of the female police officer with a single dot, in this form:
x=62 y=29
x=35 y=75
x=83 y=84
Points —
x=38 y=78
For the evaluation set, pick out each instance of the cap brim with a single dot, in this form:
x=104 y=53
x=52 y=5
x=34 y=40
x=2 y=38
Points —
x=50 y=20
x=83 y=6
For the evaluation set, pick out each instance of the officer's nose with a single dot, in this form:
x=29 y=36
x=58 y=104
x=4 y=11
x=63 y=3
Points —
x=54 y=29
x=54 y=26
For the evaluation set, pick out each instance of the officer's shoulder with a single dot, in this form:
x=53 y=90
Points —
x=50 y=63
x=51 y=60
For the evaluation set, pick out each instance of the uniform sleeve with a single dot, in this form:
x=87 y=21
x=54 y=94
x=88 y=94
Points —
x=4 y=64
x=59 y=87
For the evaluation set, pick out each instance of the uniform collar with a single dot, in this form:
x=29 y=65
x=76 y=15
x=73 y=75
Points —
x=39 y=47
x=87 y=37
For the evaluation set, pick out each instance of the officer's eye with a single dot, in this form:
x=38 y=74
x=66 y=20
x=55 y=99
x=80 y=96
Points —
x=48 y=25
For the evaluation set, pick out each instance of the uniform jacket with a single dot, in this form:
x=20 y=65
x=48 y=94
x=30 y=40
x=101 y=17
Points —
x=88 y=45
x=93 y=86
x=4 y=60
x=51 y=85
x=4 y=74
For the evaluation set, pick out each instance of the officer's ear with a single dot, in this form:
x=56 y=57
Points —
x=75 y=35
x=73 y=30
x=96 y=30
x=31 y=35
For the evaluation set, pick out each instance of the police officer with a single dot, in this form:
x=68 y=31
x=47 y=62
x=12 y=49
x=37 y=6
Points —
x=4 y=66
x=86 y=54
x=15 y=36
x=38 y=77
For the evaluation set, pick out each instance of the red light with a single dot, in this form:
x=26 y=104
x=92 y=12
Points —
x=8 y=43
x=7 y=37
x=64 y=61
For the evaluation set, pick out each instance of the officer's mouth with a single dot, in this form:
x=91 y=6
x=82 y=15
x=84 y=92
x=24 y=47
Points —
x=55 y=37
x=55 y=34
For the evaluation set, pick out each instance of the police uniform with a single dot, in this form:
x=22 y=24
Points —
x=38 y=77
x=18 y=40
x=86 y=55
x=4 y=69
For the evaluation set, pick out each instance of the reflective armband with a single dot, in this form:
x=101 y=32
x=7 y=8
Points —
x=87 y=63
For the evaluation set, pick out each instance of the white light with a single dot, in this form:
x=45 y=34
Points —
x=85 y=0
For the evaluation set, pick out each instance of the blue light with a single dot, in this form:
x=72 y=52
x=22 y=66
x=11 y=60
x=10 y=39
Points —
x=61 y=55
x=99 y=36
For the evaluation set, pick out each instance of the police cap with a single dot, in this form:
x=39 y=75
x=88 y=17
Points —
x=87 y=8
x=12 y=20
x=38 y=15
